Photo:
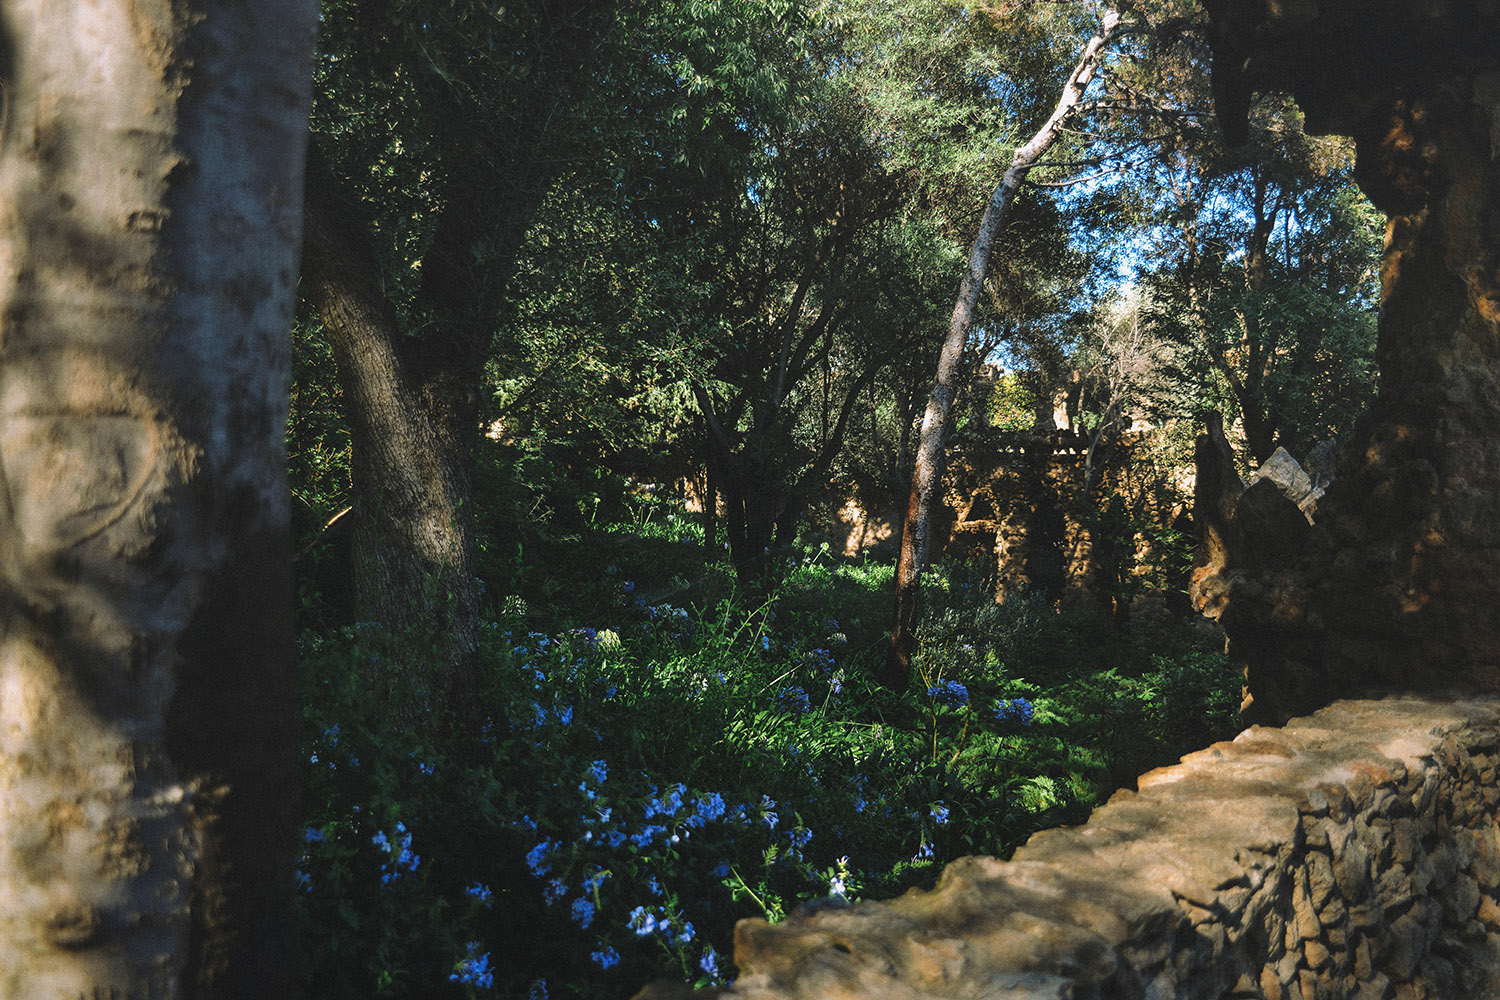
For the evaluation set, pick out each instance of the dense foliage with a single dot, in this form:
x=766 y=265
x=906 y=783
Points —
x=661 y=758
x=630 y=256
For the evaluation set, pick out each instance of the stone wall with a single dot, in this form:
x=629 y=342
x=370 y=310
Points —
x=1353 y=853
x=1018 y=498
x=1395 y=585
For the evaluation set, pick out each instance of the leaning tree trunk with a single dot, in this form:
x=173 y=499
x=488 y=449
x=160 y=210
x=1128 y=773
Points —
x=150 y=185
x=927 y=470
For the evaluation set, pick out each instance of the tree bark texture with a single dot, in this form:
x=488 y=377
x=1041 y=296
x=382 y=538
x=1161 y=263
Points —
x=412 y=395
x=927 y=469
x=150 y=188
x=413 y=536
x=1398 y=584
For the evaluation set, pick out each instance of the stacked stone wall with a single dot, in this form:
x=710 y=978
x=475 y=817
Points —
x=1353 y=853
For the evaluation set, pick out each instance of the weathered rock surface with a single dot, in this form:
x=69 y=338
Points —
x=1290 y=481
x=1352 y=854
x=1397 y=583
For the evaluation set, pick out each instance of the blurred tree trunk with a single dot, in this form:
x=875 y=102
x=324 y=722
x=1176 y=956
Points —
x=150 y=186
x=927 y=469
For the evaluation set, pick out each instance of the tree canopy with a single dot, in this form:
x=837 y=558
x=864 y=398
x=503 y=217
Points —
x=615 y=313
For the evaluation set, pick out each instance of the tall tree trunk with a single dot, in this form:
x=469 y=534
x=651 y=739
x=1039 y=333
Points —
x=412 y=497
x=927 y=470
x=150 y=181
x=412 y=395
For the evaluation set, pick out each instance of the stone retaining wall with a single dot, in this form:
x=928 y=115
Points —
x=1353 y=853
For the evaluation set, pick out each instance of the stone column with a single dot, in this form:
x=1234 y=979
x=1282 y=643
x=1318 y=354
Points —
x=1398 y=586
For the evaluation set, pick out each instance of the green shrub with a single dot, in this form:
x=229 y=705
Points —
x=662 y=759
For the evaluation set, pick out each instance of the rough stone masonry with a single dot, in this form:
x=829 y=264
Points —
x=1353 y=854
x=1396 y=583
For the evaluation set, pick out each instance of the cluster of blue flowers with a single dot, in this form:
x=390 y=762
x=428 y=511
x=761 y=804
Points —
x=629 y=836
x=793 y=698
x=474 y=969
x=949 y=693
x=674 y=929
x=627 y=862
x=1017 y=710
x=401 y=859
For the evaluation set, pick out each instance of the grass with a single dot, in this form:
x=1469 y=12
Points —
x=664 y=758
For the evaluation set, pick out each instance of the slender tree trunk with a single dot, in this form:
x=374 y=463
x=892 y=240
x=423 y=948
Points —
x=150 y=182
x=710 y=508
x=927 y=470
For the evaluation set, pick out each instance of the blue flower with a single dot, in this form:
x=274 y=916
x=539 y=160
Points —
x=668 y=804
x=711 y=807
x=538 y=990
x=642 y=921
x=406 y=859
x=606 y=959
x=1017 y=710
x=474 y=970
x=646 y=835
x=765 y=642
x=556 y=889
x=793 y=699
x=628 y=586
x=924 y=853
x=593 y=882
x=597 y=770
x=939 y=813
x=480 y=892
x=583 y=912
x=709 y=963
x=801 y=836
x=720 y=870
x=950 y=693
x=565 y=715
x=536 y=858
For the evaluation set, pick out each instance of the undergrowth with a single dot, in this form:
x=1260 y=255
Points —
x=662 y=757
